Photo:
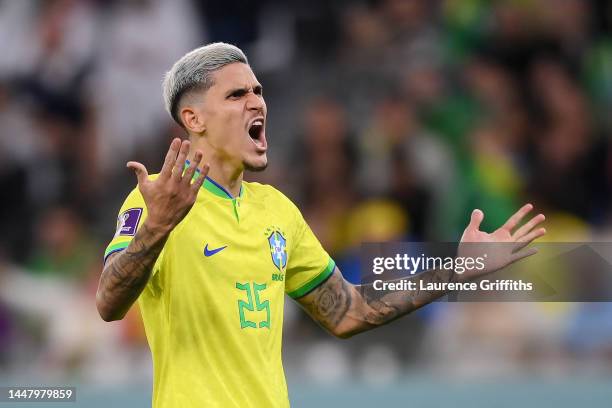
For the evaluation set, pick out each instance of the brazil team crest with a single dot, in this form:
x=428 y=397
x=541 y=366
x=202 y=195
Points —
x=278 y=247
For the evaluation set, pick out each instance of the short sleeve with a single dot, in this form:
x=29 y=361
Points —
x=131 y=216
x=308 y=264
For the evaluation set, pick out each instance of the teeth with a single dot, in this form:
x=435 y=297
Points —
x=258 y=122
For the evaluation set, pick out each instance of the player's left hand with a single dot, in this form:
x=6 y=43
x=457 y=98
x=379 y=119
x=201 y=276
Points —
x=503 y=246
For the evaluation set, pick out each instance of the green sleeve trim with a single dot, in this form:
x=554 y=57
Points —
x=115 y=248
x=316 y=281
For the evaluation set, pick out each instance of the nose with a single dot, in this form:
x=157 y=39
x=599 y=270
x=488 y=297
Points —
x=255 y=102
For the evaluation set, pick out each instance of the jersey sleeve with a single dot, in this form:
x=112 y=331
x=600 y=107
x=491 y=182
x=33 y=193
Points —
x=131 y=216
x=308 y=264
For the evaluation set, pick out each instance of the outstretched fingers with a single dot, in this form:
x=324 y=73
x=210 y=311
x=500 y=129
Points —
x=518 y=255
x=179 y=164
x=170 y=159
x=476 y=219
x=195 y=186
x=516 y=218
x=193 y=166
x=530 y=225
x=140 y=170
x=529 y=238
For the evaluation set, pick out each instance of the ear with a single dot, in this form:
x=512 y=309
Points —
x=192 y=119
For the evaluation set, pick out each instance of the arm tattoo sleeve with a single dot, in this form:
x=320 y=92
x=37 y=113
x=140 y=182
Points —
x=329 y=303
x=128 y=272
x=345 y=309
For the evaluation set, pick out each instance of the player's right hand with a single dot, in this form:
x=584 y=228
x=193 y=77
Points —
x=170 y=196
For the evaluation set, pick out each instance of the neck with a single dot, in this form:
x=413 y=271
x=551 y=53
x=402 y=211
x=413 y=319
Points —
x=226 y=175
x=223 y=172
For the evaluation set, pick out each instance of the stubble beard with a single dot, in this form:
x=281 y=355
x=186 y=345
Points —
x=255 y=167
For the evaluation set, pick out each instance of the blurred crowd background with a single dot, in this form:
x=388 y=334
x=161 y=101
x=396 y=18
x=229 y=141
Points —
x=387 y=120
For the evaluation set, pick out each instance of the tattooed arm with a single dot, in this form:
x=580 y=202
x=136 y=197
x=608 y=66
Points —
x=168 y=199
x=126 y=273
x=345 y=309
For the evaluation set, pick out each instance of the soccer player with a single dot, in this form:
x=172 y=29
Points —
x=209 y=257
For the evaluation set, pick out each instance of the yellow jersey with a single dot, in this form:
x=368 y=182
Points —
x=213 y=307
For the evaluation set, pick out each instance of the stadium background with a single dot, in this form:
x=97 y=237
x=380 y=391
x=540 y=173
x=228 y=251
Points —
x=388 y=119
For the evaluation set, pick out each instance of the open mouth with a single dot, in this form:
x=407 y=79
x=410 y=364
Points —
x=257 y=133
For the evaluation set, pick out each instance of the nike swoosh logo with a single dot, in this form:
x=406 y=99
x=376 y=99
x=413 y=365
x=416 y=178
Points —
x=211 y=252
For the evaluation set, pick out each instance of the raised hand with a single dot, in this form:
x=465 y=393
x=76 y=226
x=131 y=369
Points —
x=170 y=197
x=503 y=246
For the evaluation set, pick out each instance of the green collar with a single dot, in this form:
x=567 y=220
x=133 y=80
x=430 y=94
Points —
x=214 y=187
x=217 y=189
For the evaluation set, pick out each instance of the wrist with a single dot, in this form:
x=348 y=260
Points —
x=467 y=275
x=157 y=228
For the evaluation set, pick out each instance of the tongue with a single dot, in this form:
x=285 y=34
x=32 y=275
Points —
x=258 y=142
